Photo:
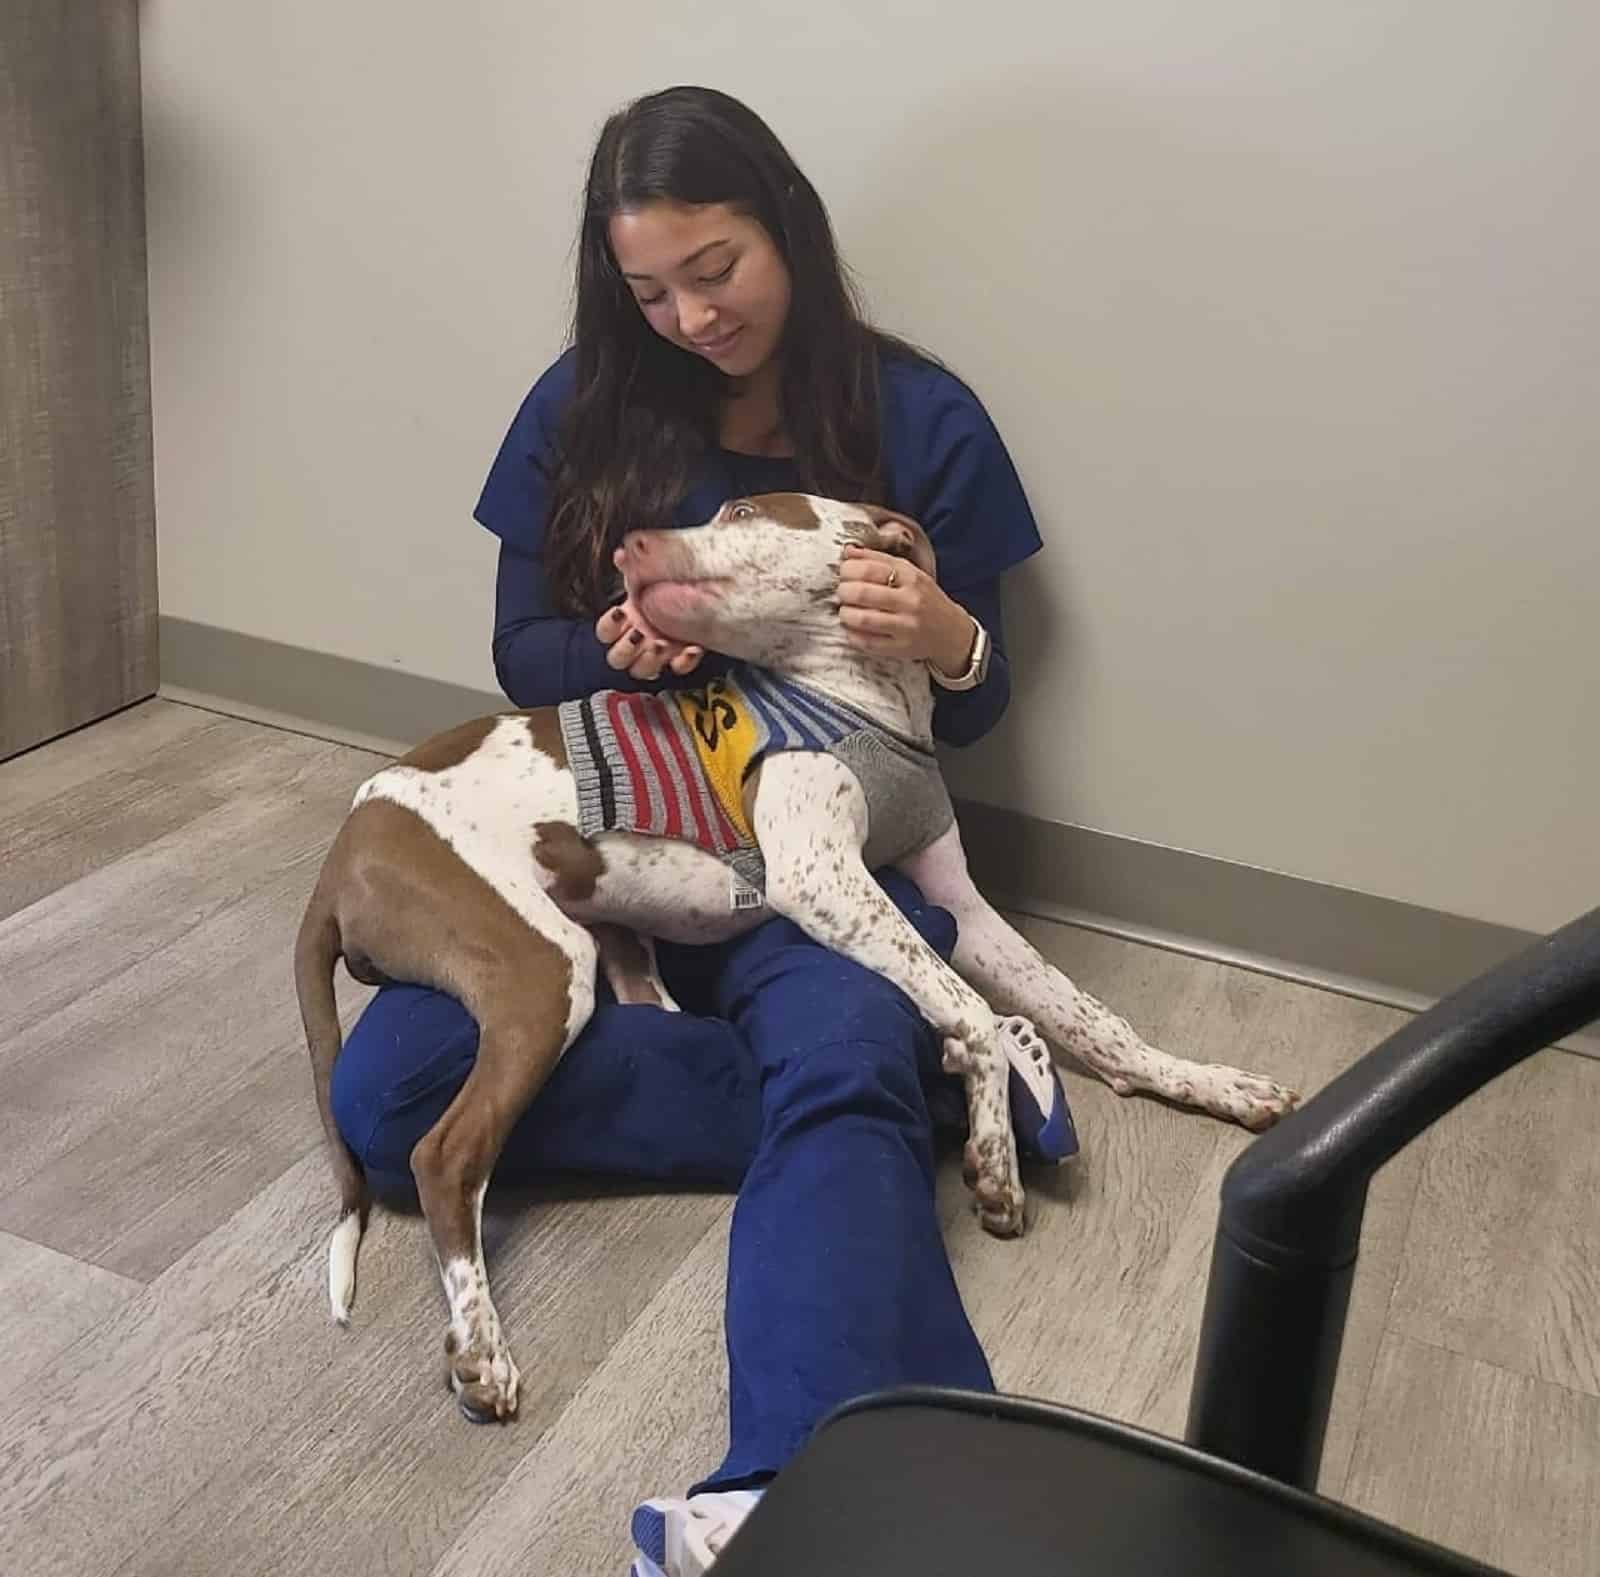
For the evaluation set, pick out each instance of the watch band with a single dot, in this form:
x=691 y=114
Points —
x=977 y=664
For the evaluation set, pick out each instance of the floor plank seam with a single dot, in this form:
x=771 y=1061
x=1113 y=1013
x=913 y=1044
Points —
x=134 y=1285
x=277 y=728
x=1544 y=1382
x=311 y=1146
x=290 y=1044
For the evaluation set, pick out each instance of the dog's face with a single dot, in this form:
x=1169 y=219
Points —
x=761 y=577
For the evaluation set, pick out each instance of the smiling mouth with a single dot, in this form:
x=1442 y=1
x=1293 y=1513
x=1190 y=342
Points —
x=713 y=347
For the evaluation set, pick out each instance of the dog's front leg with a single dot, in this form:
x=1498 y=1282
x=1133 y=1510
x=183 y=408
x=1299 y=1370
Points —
x=810 y=818
x=1016 y=979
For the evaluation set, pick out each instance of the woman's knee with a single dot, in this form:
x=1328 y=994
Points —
x=867 y=1048
x=401 y=1065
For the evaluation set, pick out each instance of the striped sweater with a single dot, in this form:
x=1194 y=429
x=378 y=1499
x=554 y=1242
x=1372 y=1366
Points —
x=674 y=764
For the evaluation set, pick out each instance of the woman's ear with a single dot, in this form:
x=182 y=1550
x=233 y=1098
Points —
x=902 y=536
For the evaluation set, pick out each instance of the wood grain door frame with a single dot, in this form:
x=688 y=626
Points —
x=78 y=630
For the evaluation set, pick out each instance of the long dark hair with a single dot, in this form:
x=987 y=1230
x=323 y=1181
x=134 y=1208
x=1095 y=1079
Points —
x=644 y=409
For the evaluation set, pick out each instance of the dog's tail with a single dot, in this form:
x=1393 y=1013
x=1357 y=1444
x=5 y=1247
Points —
x=317 y=950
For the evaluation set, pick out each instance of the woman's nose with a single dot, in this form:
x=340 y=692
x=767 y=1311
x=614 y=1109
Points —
x=695 y=318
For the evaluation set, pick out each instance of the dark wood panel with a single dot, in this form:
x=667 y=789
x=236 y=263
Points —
x=77 y=514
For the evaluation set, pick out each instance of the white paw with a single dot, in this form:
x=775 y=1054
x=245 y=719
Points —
x=1253 y=1101
x=991 y=1173
x=1245 y=1098
x=989 y=1162
x=482 y=1374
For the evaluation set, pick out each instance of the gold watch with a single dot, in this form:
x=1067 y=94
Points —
x=977 y=664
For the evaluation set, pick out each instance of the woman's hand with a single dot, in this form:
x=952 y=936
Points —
x=639 y=649
x=890 y=608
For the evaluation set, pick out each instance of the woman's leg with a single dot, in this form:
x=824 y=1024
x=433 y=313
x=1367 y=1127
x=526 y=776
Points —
x=838 y=1280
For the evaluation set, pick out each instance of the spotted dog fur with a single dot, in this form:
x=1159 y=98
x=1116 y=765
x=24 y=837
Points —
x=461 y=868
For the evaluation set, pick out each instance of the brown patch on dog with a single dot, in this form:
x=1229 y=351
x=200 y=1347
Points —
x=574 y=862
x=450 y=748
x=396 y=886
x=544 y=728
x=902 y=536
x=793 y=510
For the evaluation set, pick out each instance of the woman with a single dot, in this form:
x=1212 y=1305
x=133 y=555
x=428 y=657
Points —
x=718 y=352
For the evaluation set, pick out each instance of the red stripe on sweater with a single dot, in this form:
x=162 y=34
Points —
x=641 y=788
x=701 y=798
x=669 y=795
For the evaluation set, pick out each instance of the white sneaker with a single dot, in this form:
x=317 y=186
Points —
x=682 y=1538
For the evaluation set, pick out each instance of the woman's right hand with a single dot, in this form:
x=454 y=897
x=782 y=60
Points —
x=640 y=650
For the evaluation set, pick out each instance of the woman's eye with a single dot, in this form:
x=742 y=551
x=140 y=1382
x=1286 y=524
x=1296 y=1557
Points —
x=652 y=301
x=717 y=278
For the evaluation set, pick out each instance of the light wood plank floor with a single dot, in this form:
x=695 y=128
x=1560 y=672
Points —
x=178 y=1402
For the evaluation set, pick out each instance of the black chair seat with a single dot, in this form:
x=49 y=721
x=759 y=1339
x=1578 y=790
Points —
x=929 y=1483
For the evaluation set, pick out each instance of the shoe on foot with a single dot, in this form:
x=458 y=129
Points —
x=1039 y=1113
x=681 y=1538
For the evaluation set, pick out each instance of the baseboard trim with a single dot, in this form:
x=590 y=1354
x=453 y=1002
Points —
x=1380 y=950
x=336 y=697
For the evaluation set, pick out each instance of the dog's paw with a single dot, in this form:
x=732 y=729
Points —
x=483 y=1376
x=997 y=1197
x=1248 y=1099
x=1260 y=1102
x=989 y=1161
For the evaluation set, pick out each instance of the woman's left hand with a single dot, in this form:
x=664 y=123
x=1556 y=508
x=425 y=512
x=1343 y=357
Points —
x=890 y=608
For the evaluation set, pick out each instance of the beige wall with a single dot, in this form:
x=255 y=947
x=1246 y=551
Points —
x=1288 y=314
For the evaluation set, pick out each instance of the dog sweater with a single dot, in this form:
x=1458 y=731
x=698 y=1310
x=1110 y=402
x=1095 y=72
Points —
x=673 y=765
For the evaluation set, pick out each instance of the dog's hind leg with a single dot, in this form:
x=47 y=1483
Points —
x=530 y=1003
x=413 y=909
x=523 y=1018
x=1017 y=980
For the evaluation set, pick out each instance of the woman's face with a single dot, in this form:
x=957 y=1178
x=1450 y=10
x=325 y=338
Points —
x=708 y=279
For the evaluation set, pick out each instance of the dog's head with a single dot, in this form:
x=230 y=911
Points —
x=761 y=578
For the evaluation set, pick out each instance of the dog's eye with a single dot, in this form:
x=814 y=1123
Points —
x=742 y=511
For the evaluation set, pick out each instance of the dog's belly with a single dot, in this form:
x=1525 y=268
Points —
x=666 y=888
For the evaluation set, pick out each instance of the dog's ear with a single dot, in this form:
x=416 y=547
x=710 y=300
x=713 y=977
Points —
x=902 y=536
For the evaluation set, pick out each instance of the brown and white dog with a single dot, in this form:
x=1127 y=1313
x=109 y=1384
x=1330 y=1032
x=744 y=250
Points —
x=463 y=867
